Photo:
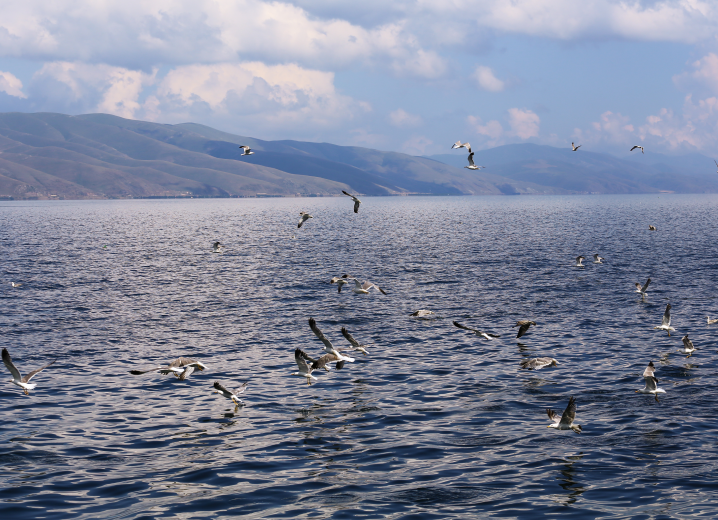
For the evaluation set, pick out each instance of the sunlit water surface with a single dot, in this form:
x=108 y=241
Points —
x=433 y=423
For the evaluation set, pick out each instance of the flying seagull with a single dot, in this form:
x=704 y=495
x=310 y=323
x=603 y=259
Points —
x=15 y=284
x=710 y=321
x=579 y=260
x=643 y=289
x=539 y=363
x=565 y=422
x=666 y=323
x=181 y=367
x=221 y=389
x=459 y=144
x=651 y=382
x=341 y=281
x=598 y=259
x=305 y=370
x=247 y=150
x=305 y=216
x=356 y=201
x=636 y=146
x=485 y=335
x=328 y=347
x=689 y=348
x=651 y=228
x=354 y=343
x=364 y=288
x=523 y=327
x=421 y=313
x=217 y=247
x=574 y=147
x=17 y=379
x=471 y=165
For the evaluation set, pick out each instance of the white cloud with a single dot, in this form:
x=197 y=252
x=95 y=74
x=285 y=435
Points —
x=695 y=129
x=704 y=74
x=524 y=123
x=486 y=80
x=492 y=129
x=400 y=118
x=11 y=85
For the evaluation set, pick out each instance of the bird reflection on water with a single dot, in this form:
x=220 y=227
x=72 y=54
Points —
x=567 y=480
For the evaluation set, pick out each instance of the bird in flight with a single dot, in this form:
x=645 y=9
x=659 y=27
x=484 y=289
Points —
x=471 y=165
x=305 y=216
x=636 y=146
x=229 y=394
x=666 y=322
x=217 y=247
x=17 y=379
x=247 y=150
x=565 y=422
x=651 y=382
x=579 y=260
x=356 y=201
x=459 y=144
x=523 y=327
x=574 y=147
x=643 y=289
x=598 y=259
x=485 y=335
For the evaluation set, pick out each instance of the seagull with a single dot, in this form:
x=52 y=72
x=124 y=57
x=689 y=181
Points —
x=471 y=165
x=304 y=370
x=636 y=146
x=579 y=260
x=459 y=144
x=217 y=247
x=643 y=289
x=356 y=201
x=539 y=363
x=15 y=284
x=341 y=281
x=651 y=228
x=305 y=216
x=421 y=313
x=598 y=259
x=485 y=335
x=328 y=347
x=690 y=349
x=364 y=288
x=17 y=379
x=524 y=326
x=666 y=323
x=355 y=344
x=651 y=382
x=221 y=389
x=710 y=321
x=574 y=147
x=565 y=422
x=181 y=367
x=247 y=150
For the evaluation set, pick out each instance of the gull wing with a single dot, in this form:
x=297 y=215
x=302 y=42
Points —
x=457 y=324
x=319 y=334
x=357 y=202
x=140 y=372
x=367 y=285
x=651 y=383
x=649 y=371
x=219 y=386
x=301 y=358
x=569 y=414
x=687 y=343
x=27 y=378
x=667 y=316
x=181 y=361
x=522 y=330
x=350 y=338
x=645 y=287
x=471 y=159
x=457 y=144
x=242 y=388
x=186 y=373
x=555 y=419
x=347 y=194
x=10 y=365
x=322 y=361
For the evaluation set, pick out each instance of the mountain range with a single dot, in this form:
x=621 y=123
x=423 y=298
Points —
x=47 y=155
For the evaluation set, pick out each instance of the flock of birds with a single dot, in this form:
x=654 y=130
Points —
x=183 y=367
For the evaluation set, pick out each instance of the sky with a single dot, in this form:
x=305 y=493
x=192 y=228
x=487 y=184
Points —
x=407 y=75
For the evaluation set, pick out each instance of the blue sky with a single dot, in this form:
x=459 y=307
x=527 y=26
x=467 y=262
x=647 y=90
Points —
x=412 y=76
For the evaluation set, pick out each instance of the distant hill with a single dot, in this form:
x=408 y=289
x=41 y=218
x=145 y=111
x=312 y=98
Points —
x=46 y=155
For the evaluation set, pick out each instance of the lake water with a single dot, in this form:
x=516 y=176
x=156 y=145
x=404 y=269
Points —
x=433 y=423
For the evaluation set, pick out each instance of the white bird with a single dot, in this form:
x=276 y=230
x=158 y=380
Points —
x=574 y=147
x=328 y=347
x=17 y=379
x=471 y=165
x=15 y=284
x=579 y=261
x=341 y=281
x=221 y=389
x=636 y=146
x=651 y=228
x=217 y=247
x=247 y=150
x=356 y=201
x=459 y=144
x=181 y=367
x=363 y=288
x=354 y=343
x=710 y=321
x=666 y=322
x=485 y=335
x=539 y=363
x=305 y=370
x=642 y=290
x=689 y=348
x=598 y=259
x=305 y=216
x=565 y=422
x=421 y=313
x=651 y=382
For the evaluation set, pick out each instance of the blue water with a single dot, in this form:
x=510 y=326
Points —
x=433 y=423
